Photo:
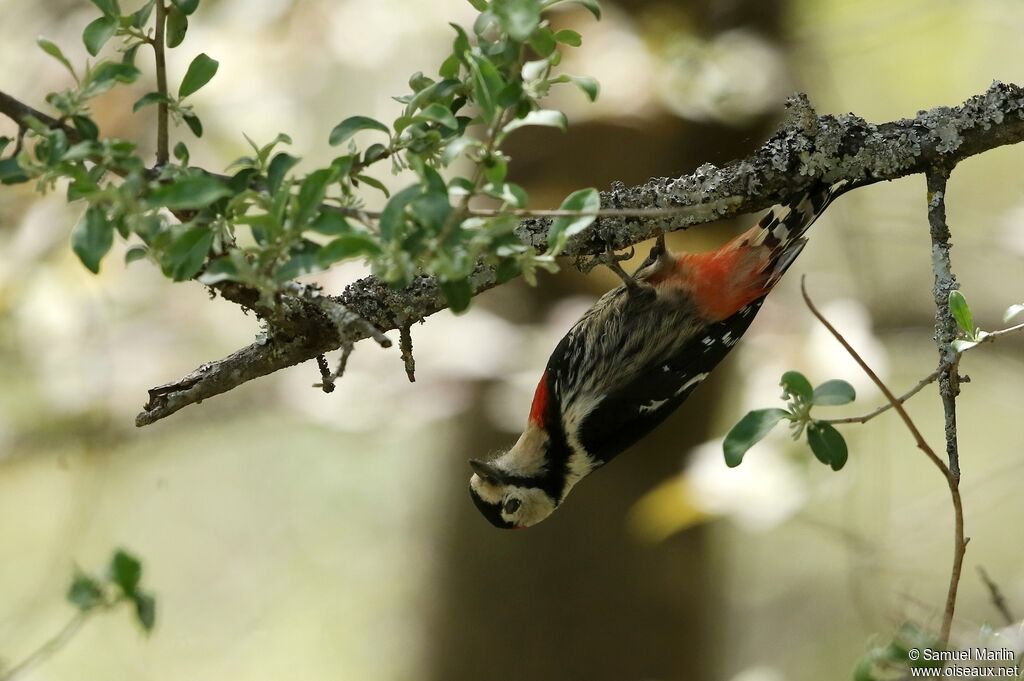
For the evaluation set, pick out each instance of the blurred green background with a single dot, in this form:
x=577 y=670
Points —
x=292 y=534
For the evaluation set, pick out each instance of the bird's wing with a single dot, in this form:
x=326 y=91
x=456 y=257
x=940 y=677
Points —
x=628 y=413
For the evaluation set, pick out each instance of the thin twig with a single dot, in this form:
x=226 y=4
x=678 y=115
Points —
x=49 y=648
x=959 y=541
x=326 y=380
x=162 y=135
x=992 y=335
x=998 y=600
x=346 y=352
x=927 y=380
x=945 y=325
x=405 y=343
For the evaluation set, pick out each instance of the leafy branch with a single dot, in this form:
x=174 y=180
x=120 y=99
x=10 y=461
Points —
x=433 y=245
x=952 y=480
x=92 y=595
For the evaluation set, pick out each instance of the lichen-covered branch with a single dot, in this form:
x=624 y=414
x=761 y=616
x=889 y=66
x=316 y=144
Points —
x=808 y=149
x=945 y=325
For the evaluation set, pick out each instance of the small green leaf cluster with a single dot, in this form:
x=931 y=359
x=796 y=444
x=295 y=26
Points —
x=827 y=444
x=268 y=223
x=120 y=584
x=893 y=660
x=973 y=335
x=75 y=152
x=200 y=72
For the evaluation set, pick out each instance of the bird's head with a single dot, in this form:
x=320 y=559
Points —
x=507 y=500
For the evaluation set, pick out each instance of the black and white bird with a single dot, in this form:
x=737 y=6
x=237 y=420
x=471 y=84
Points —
x=634 y=357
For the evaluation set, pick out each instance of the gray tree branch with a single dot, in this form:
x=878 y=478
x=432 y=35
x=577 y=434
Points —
x=807 y=149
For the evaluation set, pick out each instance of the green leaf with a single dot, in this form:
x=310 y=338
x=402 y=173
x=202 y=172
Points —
x=350 y=126
x=85 y=592
x=795 y=384
x=569 y=37
x=186 y=6
x=50 y=48
x=832 y=393
x=1012 y=312
x=563 y=228
x=589 y=85
x=134 y=253
x=392 y=218
x=147 y=99
x=311 y=195
x=106 y=75
x=97 y=33
x=278 y=168
x=191 y=191
x=330 y=223
x=199 y=73
x=92 y=238
x=440 y=114
x=109 y=7
x=125 y=571
x=479 y=5
x=221 y=269
x=177 y=27
x=181 y=153
x=11 y=172
x=519 y=18
x=961 y=312
x=348 y=246
x=460 y=46
x=545 y=117
x=431 y=211
x=86 y=128
x=457 y=294
x=187 y=253
x=450 y=67
x=145 y=610
x=487 y=84
x=374 y=153
x=827 y=444
x=749 y=431
x=374 y=182
x=543 y=42
x=141 y=15
x=303 y=260
x=193 y=123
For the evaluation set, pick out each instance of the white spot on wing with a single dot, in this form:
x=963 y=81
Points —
x=651 y=406
x=693 y=381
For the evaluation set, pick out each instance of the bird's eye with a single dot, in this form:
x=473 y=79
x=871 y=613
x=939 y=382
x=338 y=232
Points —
x=512 y=505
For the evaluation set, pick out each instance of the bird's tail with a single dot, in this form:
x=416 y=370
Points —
x=782 y=229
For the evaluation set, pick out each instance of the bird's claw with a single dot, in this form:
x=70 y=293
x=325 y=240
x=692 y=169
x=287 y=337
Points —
x=612 y=260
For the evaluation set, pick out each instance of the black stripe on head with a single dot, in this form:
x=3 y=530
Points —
x=490 y=511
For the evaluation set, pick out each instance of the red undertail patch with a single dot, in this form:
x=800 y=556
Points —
x=540 y=401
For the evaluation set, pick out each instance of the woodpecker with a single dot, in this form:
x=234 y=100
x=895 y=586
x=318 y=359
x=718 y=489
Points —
x=634 y=357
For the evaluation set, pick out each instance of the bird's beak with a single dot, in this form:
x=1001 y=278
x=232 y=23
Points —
x=489 y=472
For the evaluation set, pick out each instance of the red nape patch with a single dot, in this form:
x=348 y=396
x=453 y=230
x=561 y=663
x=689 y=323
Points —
x=540 y=401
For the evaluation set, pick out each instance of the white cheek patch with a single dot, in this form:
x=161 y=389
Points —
x=535 y=506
